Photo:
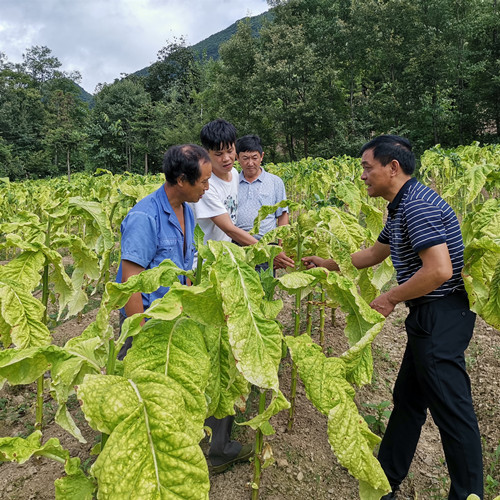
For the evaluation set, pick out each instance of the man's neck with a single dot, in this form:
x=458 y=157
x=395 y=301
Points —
x=225 y=177
x=251 y=179
x=173 y=197
x=396 y=187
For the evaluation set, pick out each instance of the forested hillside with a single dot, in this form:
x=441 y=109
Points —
x=321 y=78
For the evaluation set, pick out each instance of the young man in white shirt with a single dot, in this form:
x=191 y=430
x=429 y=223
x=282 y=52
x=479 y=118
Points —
x=216 y=211
x=216 y=215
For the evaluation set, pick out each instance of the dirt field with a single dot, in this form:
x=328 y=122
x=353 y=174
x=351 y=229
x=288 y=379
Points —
x=305 y=467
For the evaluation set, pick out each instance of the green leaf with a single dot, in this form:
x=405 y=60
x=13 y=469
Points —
x=261 y=421
x=266 y=210
x=348 y=433
x=353 y=443
x=74 y=487
x=93 y=211
x=21 y=317
x=25 y=269
x=482 y=278
x=227 y=387
x=21 y=450
x=25 y=365
x=152 y=451
x=255 y=340
x=324 y=378
x=176 y=349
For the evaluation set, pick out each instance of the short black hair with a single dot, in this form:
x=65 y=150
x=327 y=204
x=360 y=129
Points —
x=218 y=134
x=392 y=147
x=184 y=161
x=249 y=143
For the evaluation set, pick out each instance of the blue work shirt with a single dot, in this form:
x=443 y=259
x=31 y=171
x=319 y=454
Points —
x=151 y=233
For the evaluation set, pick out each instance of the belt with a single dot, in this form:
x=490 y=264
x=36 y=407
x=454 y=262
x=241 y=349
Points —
x=424 y=300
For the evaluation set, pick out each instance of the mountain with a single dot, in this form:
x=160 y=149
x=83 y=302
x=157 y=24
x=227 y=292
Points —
x=210 y=46
x=85 y=96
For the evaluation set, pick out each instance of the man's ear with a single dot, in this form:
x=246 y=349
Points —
x=181 y=179
x=395 y=167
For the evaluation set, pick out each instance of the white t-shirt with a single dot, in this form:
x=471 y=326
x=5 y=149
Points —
x=221 y=197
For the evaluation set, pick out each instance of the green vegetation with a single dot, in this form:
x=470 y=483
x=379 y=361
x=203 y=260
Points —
x=319 y=80
x=205 y=345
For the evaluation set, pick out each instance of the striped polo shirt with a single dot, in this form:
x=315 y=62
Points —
x=418 y=219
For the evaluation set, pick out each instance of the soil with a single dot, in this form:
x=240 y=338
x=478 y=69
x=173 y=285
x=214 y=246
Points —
x=305 y=467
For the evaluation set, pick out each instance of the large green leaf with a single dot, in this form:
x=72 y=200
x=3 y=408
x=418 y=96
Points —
x=348 y=434
x=116 y=295
x=152 y=451
x=177 y=349
x=25 y=269
x=255 y=340
x=23 y=366
x=93 y=212
x=74 y=487
x=21 y=315
x=353 y=443
x=227 y=387
x=482 y=278
x=473 y=180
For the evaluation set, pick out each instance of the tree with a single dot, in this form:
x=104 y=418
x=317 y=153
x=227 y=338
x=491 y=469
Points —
x=111 y=132
x=40 y=64
x=65 y=125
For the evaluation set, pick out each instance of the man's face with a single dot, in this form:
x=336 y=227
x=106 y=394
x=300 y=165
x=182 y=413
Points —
x=376 y=176
x=222 y=160
x=194 y=193
x=250 y=162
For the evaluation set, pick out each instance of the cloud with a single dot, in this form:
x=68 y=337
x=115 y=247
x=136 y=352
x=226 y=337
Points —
x=104 y=38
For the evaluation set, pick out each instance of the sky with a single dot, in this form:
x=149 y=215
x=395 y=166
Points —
x=104 y=38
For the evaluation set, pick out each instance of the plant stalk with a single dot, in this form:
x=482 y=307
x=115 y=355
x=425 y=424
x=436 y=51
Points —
x=309 y=313
x=296 y=331
x=293 y=388
x=322 y=321
x=259 y=442
x=45 y=319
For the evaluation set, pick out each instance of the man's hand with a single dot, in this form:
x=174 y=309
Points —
x=282 y=261
x=315 y=261
x=383 y=304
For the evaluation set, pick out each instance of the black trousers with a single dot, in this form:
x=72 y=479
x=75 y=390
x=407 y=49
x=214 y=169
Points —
x=433 y=376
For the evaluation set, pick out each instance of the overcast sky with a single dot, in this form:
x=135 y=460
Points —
x=104 y=38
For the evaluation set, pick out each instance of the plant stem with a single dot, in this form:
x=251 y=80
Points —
x=199 y=266
x=296 y=331
x=45 y=302
x=322 y=320
x=309 y=311
x=259 y=441
x=293 y=388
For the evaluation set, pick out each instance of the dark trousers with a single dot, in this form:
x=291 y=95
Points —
x=432 y=375
x=222 y=449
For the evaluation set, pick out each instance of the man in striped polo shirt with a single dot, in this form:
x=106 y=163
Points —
x=423 y=238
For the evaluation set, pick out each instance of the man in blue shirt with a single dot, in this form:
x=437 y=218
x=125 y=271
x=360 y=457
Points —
x=423 y=238
x=161 y=225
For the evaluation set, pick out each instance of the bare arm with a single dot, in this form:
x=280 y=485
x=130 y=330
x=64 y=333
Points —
x=436 y=269
x=283 y=219
x=237 y=234
x=282 y=261
x=367 y=257
x=134 y=304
